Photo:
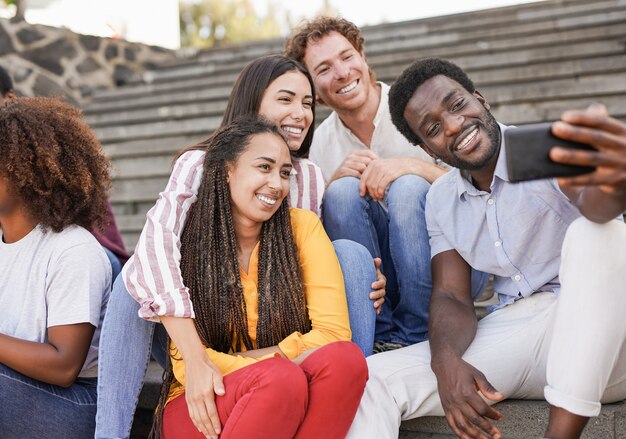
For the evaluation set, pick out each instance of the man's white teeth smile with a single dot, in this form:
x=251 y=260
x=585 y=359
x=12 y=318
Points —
x=292 y=130
x=348 y=87
x=266 y=200
x=467 y=139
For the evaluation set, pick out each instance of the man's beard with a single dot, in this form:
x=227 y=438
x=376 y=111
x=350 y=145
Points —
x=493 y=136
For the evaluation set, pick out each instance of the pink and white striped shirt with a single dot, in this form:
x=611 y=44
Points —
x=152 y=275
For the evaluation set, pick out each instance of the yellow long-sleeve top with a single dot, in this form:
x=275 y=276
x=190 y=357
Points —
x=324 y=293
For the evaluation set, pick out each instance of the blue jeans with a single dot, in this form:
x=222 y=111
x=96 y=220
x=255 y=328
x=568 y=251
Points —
x=359 y=272
x=116 y=265
x=399 y=237
x=126 y=339
x=34 y=409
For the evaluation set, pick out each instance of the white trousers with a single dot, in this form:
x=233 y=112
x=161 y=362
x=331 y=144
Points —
x=571 y=346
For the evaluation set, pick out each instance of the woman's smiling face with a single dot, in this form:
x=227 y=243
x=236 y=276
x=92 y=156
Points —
x=288 y=102
x=259 y=179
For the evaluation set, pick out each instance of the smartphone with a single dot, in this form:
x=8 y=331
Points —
x=527 y=149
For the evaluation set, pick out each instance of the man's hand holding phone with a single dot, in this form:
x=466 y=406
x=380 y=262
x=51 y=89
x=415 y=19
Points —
x=528 y=153
x=607 y=135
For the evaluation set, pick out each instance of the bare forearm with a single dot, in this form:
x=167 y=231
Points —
x=40 y=361
x=183 y=333
x=258 y=353
x=599 y=206
x=452 y=328
x=428 y=171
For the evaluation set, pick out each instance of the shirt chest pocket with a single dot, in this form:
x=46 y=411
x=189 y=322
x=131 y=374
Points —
x=532 y=232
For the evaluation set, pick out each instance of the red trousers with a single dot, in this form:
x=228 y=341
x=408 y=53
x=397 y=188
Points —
x=277 y=398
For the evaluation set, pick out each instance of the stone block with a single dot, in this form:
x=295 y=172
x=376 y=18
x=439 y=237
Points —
x=21 y=74
x=89 y=42
x=29 y=35
x=6 y=44
x=49 y=56
x=129 y=54
x=88 y=65
x=122 y=74
x=45 y=86
x=111 y=51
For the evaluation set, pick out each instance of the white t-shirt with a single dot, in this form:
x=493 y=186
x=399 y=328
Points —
x=52 y=279
x=333 y=141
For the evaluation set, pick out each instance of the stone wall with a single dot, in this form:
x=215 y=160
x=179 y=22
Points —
x=48 y=61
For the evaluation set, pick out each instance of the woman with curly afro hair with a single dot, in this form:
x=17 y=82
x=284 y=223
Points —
x=54 y=276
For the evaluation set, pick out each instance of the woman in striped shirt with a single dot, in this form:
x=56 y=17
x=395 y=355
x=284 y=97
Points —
x=281 y=90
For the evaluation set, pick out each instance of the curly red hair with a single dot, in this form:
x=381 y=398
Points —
x=53 y=163
x=314 y=30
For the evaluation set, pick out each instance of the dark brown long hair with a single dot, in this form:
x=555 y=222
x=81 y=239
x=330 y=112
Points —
x=210 y=267
x=249 y=88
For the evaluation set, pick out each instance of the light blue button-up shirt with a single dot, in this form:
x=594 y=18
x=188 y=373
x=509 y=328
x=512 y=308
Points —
x=515 y=232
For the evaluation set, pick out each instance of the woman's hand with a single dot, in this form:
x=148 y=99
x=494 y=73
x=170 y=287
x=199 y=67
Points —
x=378 y=295
x=203 y=381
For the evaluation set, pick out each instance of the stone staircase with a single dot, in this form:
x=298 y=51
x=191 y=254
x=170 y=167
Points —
x=531 y=61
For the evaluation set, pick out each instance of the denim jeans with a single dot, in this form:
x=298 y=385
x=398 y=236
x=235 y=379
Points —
x=126 y=339
x=34 y=409
x=397 y=234
x=359 y=272
x=116 y=265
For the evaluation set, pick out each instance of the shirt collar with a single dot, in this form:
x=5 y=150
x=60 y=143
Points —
x=501 y=169
x=380 y=112
x=382 y=109
x=464 y=182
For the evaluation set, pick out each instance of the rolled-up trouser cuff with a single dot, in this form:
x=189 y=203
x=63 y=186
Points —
x=571 y=404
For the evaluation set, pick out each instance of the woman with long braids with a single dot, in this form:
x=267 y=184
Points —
x=268 y=294
x=281 y=90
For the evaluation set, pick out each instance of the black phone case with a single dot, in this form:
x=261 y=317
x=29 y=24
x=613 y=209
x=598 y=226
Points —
x=527 y=149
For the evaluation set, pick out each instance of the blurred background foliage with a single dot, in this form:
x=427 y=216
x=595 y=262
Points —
x=206 y=23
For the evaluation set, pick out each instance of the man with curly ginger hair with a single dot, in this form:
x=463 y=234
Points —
x=377 y=180
x=54 y=276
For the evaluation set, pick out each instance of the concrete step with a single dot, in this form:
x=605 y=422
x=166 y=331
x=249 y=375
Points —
x=488 y=69
x=498 y=17
x=563 y=88
x=524 y=420
x=402 y=36
x=543 y=66
x=444 y=46
x=170 y=145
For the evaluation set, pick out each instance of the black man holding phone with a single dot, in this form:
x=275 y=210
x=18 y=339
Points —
x=557 y=256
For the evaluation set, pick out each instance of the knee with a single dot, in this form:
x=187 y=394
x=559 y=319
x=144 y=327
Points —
x=409 y=186
x=407 y=198
x=345 y=364
x=595 y=241
x=341 y=192
x=352 y=252
x=582 y=230
x=287 y=382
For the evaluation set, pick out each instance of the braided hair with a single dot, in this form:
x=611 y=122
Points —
x=210 y=267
